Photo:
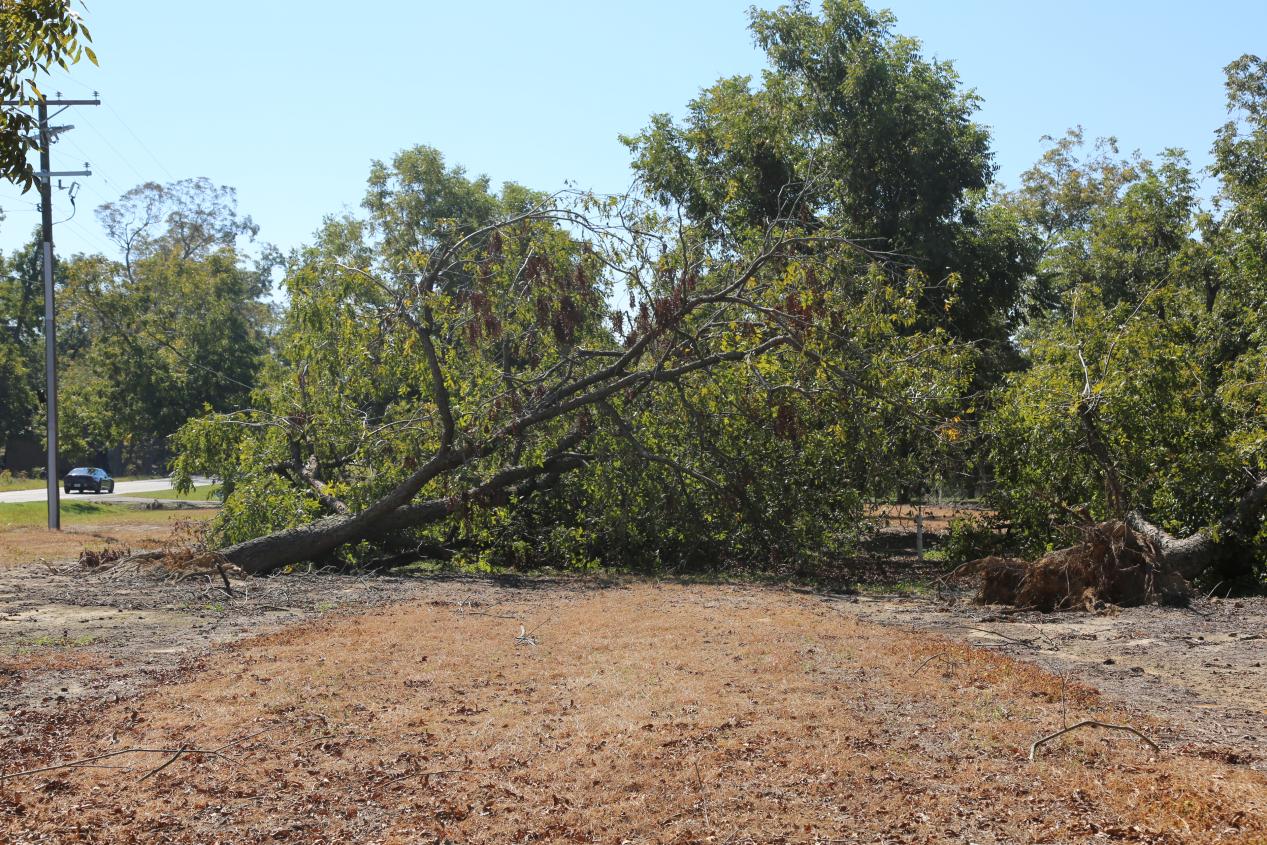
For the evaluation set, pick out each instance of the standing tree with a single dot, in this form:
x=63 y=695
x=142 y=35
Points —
x=1145 y=400
x=851 y=127
x=20 y=345
x=174 y=328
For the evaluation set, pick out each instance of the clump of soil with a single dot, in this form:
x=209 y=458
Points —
x=91 y=559
x=1111 y=564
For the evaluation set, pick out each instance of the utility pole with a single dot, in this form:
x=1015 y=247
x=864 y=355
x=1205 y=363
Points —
x=45 y=176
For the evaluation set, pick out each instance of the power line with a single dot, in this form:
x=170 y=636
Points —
x=127 y=127
x=148 y=151
x=115 y=150
x=19 y=199
x=102 y=175
x=87 y=236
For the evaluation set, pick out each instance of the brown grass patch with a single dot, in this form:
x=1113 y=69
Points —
x=137 y=530
x=40 y=658
x=660 y=714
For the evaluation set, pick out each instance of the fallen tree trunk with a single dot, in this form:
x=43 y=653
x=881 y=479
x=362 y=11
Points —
x=1190 y=556
x=316 y=539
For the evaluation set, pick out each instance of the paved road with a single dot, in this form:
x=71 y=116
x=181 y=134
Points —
x=120 y=487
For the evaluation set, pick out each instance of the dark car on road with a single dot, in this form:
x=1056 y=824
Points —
x=89 y=480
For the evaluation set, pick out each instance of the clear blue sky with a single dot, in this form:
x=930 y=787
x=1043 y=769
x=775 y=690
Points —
x=289 y=101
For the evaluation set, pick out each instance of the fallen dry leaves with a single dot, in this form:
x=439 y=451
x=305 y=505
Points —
x=645 y=713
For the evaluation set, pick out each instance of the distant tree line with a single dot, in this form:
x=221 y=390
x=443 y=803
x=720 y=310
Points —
x=175 y=325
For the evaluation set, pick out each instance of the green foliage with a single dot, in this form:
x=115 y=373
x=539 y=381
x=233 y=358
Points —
x=22 y=341
x=17 y=398
x=351 y=387
x=761 y=459
x=35 y=36
x=853 y=128
x=175 y=328
x=1146 y=335
x=971 y=538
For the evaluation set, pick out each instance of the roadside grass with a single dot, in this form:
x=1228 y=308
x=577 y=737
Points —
x=75 y=513
x=205 y=493
x=25 y=538
x=9 y=484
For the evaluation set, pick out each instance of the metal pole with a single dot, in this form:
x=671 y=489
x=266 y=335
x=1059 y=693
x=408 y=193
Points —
x=50 y=320
x=919 y=531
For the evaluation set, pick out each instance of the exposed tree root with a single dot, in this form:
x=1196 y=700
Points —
x=1112 y=564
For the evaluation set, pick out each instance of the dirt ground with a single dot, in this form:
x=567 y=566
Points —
x=1203 y=669
x=71 y=637
x=473 y=710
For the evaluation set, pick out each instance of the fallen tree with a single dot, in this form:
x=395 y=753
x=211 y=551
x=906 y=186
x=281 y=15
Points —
x=1122 y=562
x=661 y=350
x=1143 y=399
x=1109 y=564
x=443 y=376
x=1190 y=556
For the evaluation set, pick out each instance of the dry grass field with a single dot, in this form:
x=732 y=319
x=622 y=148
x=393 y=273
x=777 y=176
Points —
x=634 y=713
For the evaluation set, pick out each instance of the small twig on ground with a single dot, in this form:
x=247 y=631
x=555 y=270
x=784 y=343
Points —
x=1042 y=635
x=466 y=612
x=241 y=740
x=132 y=563
x=703 y=794
x=1085 y=723
x=327 y=738
x=77 y=763
x=175 y=752
x=1026 y=643
x=225 y=578
x=427 y=774
x=1064 y=706
x=941 y=654
x=525 y=638
x=158 y=769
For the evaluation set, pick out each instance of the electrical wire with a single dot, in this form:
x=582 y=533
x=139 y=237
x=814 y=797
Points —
x=123 y=123
x=33 y=205
x=115 y=150
x=148 y=151
x=74 y=208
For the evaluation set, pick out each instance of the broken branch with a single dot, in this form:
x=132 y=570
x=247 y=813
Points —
x=1090 y=723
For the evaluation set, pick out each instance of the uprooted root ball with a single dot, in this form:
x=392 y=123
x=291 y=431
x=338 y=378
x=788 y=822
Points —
x=1111 y=564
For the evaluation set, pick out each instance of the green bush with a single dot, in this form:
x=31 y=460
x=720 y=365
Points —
x=973 y=537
